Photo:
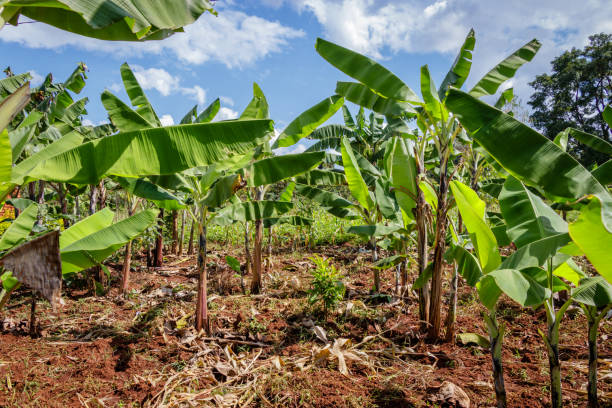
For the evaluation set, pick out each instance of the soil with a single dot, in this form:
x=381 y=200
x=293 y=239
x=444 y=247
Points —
x=111 y=351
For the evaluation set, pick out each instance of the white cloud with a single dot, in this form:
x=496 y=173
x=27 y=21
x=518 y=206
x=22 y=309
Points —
x=227 y=100
x=167 y=120
x=196 y=93
x=37 y=79
x=233 y=38
x=166 y=84
x=115 y=87
x=384 y=28
x=225 y=114
x=156 y=78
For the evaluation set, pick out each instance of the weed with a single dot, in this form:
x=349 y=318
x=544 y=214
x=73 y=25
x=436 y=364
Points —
x=327 y=286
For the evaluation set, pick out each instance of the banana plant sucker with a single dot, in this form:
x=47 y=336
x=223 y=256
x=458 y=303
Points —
x=256 y=282
x=202 y=321
x=444 y=142
x=594 y=316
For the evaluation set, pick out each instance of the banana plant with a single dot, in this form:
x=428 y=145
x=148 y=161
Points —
x=383 y=92
x=517 y=275
x=114 y=20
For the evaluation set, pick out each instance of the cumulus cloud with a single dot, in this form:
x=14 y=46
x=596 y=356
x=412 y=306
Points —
x=226 y=100
x=37 y=79
x=166 y=84
x=167 y=120
x=225 y=114
x=234 y=39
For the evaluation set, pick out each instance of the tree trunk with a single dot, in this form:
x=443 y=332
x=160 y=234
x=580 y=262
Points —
x=182 y=236
x=93 y=198
x=61 y=195
x=422 y=255
x=438 y=261
x=593 y=323
x=190 y=245
x=174 y=232
x=102 y=196
x=257 y=272
x=452 y=307
x=496 y=337
x=159 y=242
x=125 y=272
x=269 y=251
x=41 y=201
x=247 y=250
x=374 y=260
x=202 y=304
x=127 y=261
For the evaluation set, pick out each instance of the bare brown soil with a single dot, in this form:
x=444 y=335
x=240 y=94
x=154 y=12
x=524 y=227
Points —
x=140 y=351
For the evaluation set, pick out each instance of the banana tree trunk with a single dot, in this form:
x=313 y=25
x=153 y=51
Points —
x=174 y=232
x=159 y=242
x=421 y=223
x=202 y=303
x=593 y=319
x=190 y=245
x=256 y=285
x=182 y=235
x=452 y=308
x=102 y=195
x=551 y=339
x=375 y=259
x=61 y=197
x=247 y=249
x=127 y=260
x=41 y=200
x=269 y=251
x=127 y=264
x=496 y=338
x=438 y=261
x=93 y=199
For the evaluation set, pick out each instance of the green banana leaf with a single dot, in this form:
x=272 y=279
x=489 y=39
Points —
x=460 y=69
x=114 y=20
x=224 y=188
x=527 y=216
x=257 y=107
x=594 y=142
x=12 y=104
x=251 y=211
x=594 y=291
x=287 y=193
x=589 y=233
x=294 y=220
x=90 y=250
x=6 y=168
x=324 y=198
x=363 y=96
x=308 y=121
x=404 y=175
x=155 y=151
x=536 y=253
x=277 y=168
x=520 y=287
x=433 y=106
x=87 y=226
x=318 y=177
x=526 y=154
x=472 y=211
x=366 y=71
x=569 y=271
x=210 y=112
x=122 y=116
x=377 y=230
x=19 y=139
x=20 y=228
x=505 y=70
x=143 y=188
x=355 y=181
x=10 y=84
x=467 y=264
x=137 y=96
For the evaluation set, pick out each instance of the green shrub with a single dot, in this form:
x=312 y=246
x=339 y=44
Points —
x=327 y=286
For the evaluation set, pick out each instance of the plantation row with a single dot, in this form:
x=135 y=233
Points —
x=441 y=180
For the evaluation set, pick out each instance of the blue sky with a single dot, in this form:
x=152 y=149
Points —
x=271 y=42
